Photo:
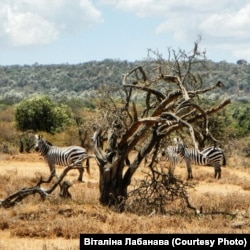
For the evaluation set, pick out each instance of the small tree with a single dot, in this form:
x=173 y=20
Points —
x=41 y=114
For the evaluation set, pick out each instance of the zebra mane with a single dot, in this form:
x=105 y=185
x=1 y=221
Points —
x=48 y=142
x=179 y=141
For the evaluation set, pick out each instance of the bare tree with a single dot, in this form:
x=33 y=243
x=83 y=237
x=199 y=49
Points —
x=155 y=100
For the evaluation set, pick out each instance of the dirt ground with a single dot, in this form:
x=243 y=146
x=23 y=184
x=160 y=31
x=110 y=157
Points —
x=29 y=164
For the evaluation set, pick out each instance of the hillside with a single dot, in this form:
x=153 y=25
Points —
x=81 y=80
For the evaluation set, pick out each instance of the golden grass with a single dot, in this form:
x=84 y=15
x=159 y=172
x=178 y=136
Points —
x=57 y=223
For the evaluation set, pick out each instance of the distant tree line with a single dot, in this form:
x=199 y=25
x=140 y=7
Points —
x=81 y=81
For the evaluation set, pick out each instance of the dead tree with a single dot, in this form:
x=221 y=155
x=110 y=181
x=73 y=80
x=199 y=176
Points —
x=157 y=99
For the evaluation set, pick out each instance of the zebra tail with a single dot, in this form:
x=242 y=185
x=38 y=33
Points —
x=224 y=159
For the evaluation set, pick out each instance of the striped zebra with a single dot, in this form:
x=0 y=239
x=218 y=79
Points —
x=168 y=155
x=62 y=156
x=210 y=156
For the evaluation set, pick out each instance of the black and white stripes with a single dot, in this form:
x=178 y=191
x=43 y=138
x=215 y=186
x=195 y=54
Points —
x=210 y=156
x=62 y=156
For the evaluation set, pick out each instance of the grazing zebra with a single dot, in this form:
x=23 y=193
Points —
x=62 y=156
x=211 y=156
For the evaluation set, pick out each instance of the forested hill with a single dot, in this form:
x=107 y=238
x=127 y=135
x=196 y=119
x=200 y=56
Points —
x=81 y=80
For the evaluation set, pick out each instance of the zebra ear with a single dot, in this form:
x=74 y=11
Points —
x=39 y=137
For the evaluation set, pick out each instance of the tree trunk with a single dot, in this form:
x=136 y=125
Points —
x=111 y=184
x=112 y=192
x=115 y=173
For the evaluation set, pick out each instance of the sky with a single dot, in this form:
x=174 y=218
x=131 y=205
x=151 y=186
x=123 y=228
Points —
x=79 y=31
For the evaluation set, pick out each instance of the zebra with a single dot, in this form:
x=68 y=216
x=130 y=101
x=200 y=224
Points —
x=171 y=156
x=174 y=155
x=62 y=156
x=164 y=155
x=210 y=156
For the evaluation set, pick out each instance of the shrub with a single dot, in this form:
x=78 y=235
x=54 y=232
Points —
x=41 y=114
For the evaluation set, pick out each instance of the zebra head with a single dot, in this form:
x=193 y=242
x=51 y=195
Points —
x=180 y=146
x=42 y=145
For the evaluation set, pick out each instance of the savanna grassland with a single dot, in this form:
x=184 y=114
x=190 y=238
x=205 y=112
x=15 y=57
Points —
x=56 y=223
x=86 y=89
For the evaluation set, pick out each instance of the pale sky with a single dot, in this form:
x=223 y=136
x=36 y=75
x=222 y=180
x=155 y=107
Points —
x=78 y=31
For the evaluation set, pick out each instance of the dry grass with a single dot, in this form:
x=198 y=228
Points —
x=57 y=223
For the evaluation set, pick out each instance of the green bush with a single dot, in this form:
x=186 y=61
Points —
x=41 y=114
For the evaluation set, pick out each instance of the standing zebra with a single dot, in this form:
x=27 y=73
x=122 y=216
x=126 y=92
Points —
x=63 y=156
x=211 y=156
x=171 y=156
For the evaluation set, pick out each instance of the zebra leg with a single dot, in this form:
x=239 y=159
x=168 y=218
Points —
x=217 y=171
x=87 y=166
x=189 y=169
x=52 y=170
x=81 y=170
x=171 y=178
